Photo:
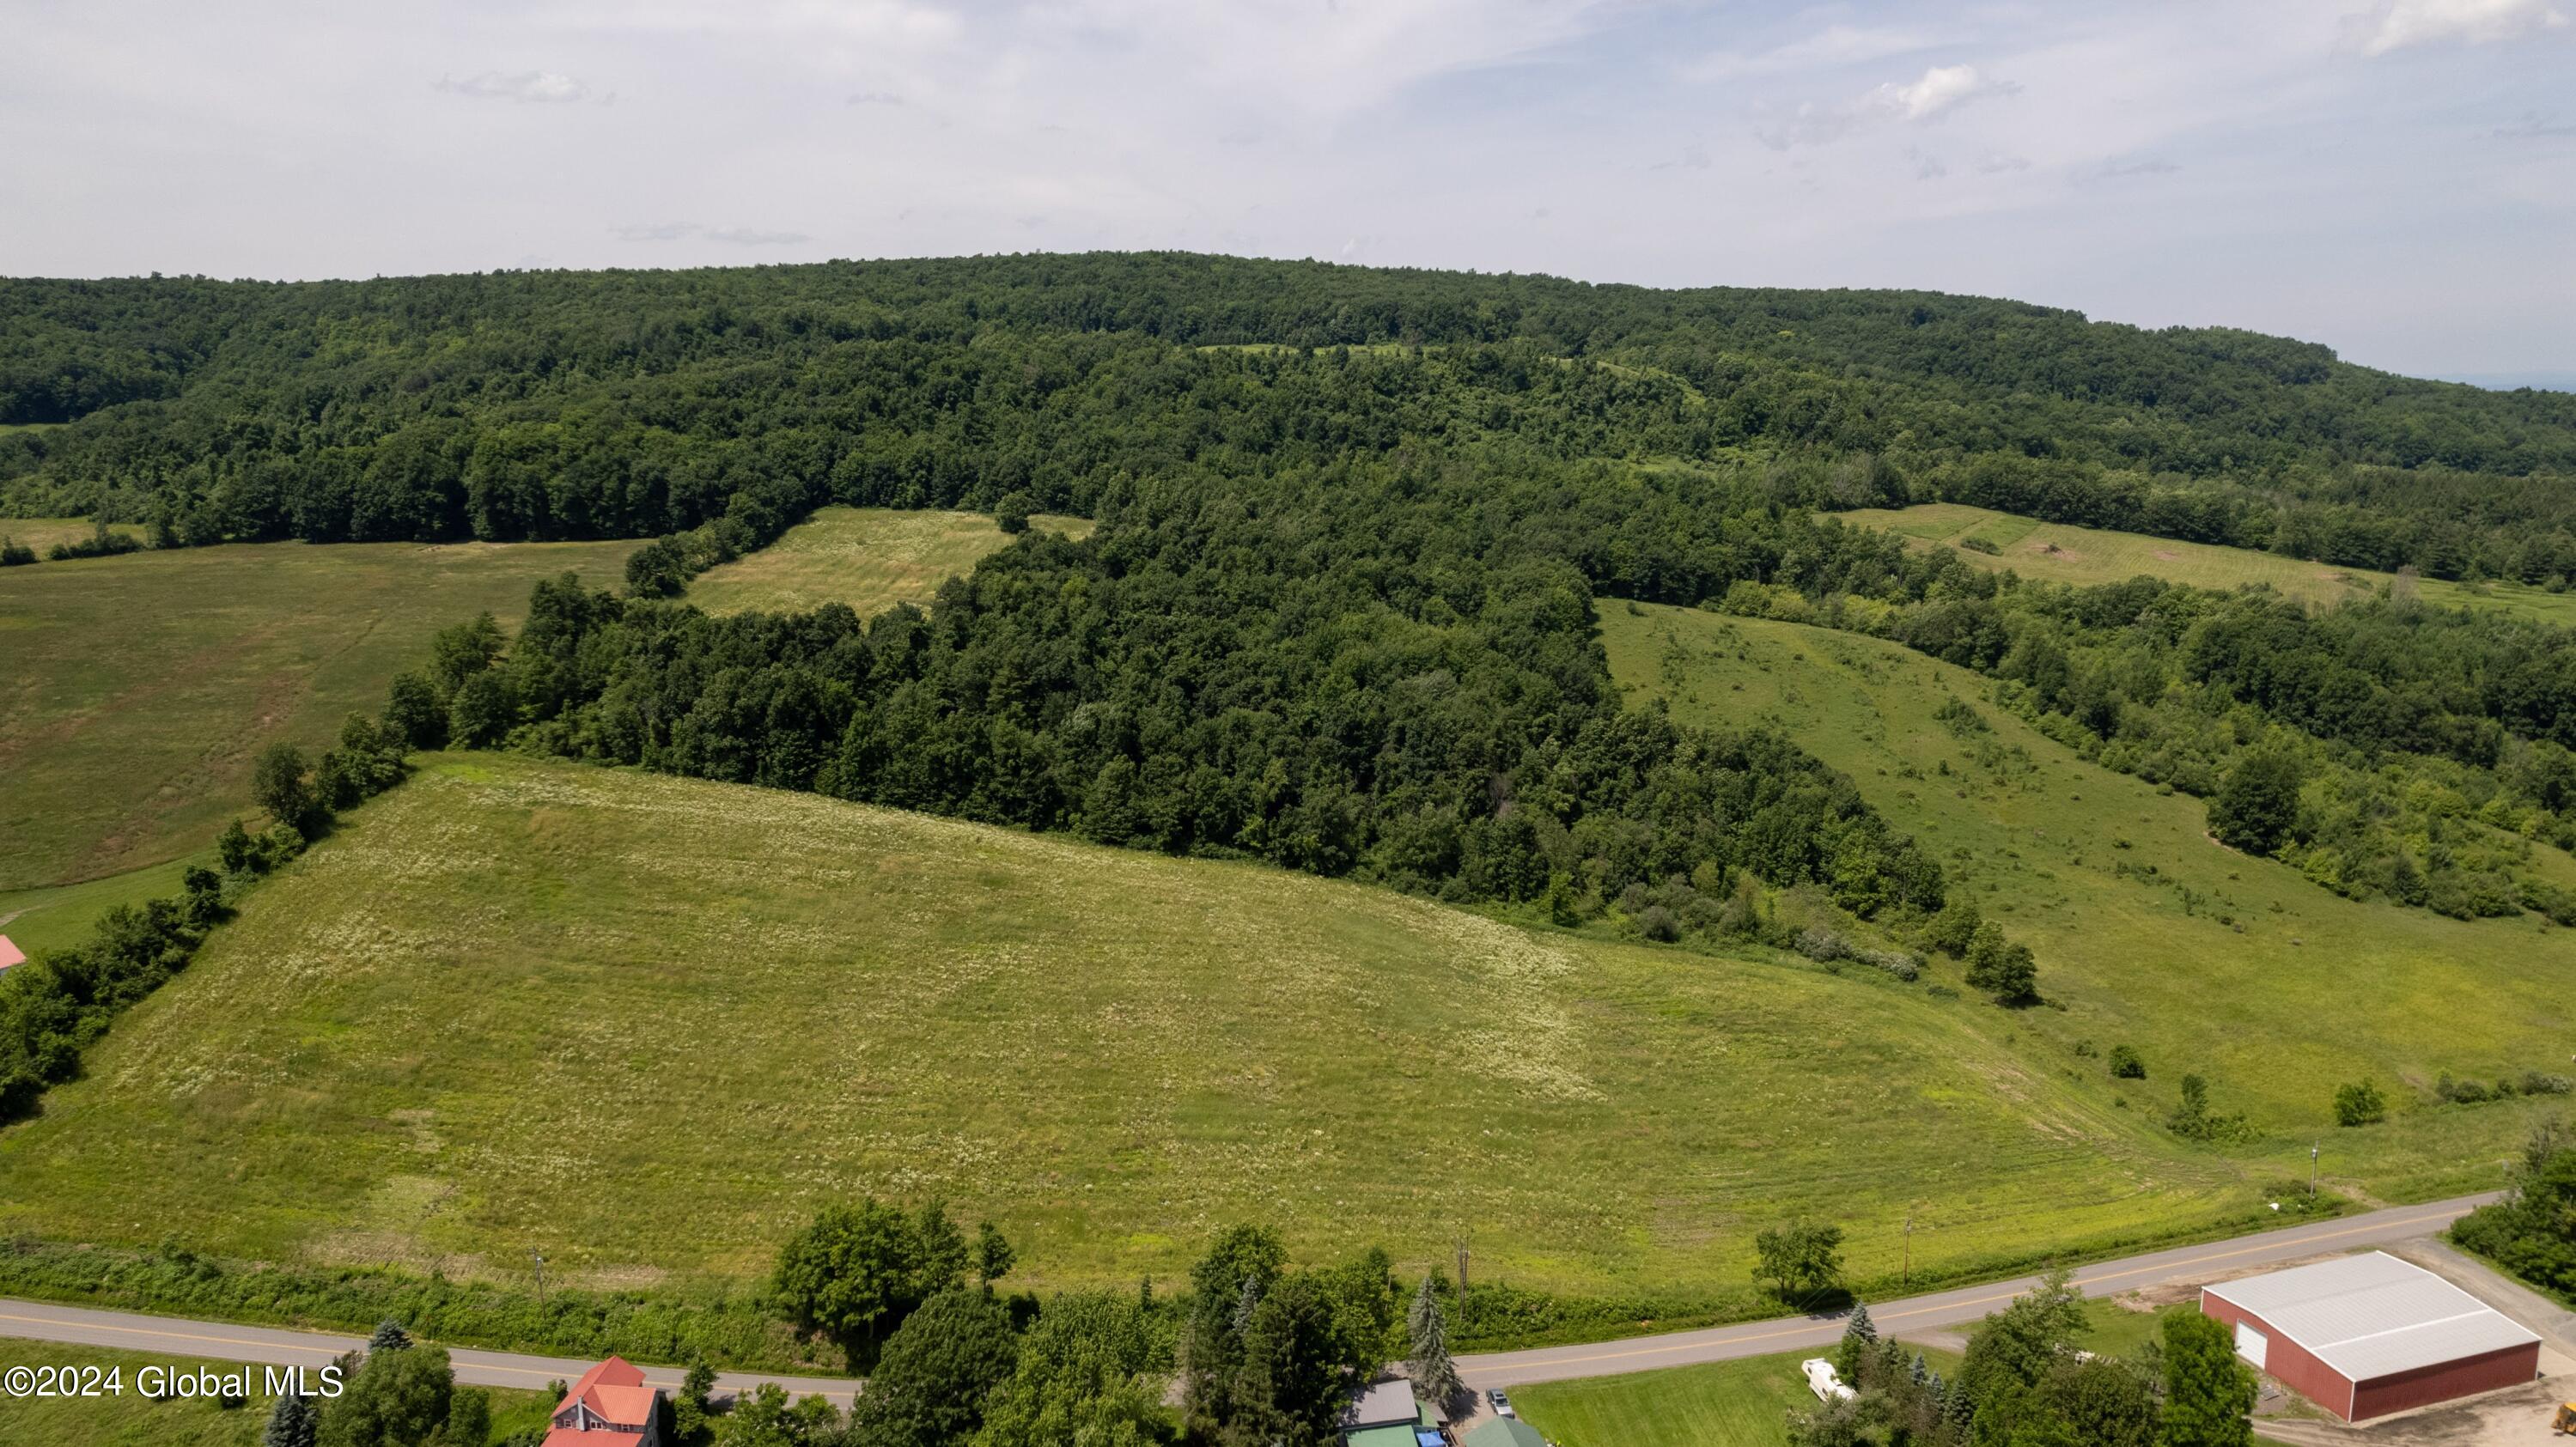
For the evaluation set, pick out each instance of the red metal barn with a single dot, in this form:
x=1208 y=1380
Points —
x=2364 y=1336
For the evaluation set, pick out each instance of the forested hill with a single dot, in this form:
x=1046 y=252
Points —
x=638 y=403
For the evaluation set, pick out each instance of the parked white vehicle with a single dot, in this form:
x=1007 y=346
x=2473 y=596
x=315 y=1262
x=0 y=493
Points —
x=1823 y=1380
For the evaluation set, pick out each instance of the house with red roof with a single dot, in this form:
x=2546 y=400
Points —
x=609 y=1407
x=10 y=954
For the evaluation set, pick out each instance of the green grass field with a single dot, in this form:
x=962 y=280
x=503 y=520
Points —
x=132 y=1419
x=2063 y=553
x=648 y=1025
x=42 y=533
x=869 y=558
x=2147 y=932
x=1742 y=1403
x=139 y=688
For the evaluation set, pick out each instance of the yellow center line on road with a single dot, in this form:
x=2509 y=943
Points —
x=1812 y=1327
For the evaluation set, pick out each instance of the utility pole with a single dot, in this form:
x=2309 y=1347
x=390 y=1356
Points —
x=1905 y=1273
x=2312 y=1169
x=1460 y=1242
x=541 y=1270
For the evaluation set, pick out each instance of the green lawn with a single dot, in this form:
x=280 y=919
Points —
x=869 y=558
x=443 y=1036
x=2064 y=553
x=1743 y=1403
x=2147 y=932
x=140 y=687
x=132 y=1419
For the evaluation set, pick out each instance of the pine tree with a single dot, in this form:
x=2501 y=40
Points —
x=389 y=1337
x=292 y=1424
x=1859 y=1334
x=1922 y=1372
x=1433 y=1372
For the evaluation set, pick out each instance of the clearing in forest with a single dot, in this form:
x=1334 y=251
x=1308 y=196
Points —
x=2064 y=553
x=870 y=558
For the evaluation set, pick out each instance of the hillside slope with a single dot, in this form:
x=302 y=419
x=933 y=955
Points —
x=648 y=1024
x=2147 y=931
x=140 y=688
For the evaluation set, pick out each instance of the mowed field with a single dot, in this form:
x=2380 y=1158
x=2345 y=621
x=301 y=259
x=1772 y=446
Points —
x=869 y=558
x=139 y=688
x=648 y=1025
x=2147 y=932
x=2063 y=553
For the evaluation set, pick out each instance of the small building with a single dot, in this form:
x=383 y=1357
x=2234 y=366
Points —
x=1388 y=1415
x=2363 y=1336
x=1503 y=1432
x=10 y=954
x=609 y=1407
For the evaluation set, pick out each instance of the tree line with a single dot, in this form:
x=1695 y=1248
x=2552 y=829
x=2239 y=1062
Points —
x=638 y=404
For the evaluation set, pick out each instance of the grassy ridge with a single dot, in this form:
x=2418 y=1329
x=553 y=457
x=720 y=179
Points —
x=139 y=688
x=870 y=558
x=2149 y=933
x=2065 y=553
x=647 y=1024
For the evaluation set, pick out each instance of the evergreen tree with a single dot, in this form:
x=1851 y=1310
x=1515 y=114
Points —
x=993 y=1255
x=1859 y=1335
x=389 y=1336
x=293 y=1423
x=1434 y=1374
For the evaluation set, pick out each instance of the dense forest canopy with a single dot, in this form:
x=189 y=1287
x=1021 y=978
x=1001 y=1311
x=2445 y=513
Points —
x=637 y=403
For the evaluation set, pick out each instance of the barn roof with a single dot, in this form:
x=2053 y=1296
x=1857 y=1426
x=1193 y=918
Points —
x=10 y=954
x=2372 y=1315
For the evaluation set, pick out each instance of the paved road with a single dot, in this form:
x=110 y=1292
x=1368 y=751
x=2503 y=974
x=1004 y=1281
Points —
x=223 y=1341
x=81 y=1326
x=1951 y=1308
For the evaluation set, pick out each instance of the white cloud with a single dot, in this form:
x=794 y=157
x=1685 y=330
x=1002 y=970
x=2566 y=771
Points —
x=654 y=231
x=1941 y=90
x=540 y=87
x=2397 y=24
x=749 y=236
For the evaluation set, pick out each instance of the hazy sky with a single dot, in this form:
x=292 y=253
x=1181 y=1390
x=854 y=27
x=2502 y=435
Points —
x=2396 y=178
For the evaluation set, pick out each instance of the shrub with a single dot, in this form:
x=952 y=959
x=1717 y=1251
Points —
x=2125 y=1064
x=1821 y=944
x=1660 y=924
x=2359 y=1103
x=15 y=554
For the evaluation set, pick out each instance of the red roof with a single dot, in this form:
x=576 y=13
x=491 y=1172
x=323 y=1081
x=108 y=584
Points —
x=10 y=954
x=609 y=1407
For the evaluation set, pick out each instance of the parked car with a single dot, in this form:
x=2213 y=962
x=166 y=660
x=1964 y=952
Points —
x=1502 y=1404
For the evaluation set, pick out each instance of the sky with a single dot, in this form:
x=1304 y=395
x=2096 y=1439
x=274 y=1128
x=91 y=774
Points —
x=2394 y=178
